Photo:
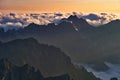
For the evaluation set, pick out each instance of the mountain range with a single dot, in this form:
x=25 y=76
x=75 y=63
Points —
x=78 y=39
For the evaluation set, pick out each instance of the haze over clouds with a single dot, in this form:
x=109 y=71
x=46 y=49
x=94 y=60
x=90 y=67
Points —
x=15 y=20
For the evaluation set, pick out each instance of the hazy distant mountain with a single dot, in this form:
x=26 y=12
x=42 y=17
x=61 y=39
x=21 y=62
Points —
x=51 y=61
x=81 y=41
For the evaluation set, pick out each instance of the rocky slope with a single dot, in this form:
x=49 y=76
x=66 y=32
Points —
x=51 y=61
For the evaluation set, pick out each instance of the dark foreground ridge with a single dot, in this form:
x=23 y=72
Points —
x=19 y=55
x=9 y=71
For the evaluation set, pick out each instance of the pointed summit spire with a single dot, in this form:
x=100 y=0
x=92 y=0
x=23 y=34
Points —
x=72 y=17
x=75 y=19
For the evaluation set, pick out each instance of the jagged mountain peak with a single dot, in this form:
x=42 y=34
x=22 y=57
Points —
x=80 y=23
x=71 y=17
x=74 y=17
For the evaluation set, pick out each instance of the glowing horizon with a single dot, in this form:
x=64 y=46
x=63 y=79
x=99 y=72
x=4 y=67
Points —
x=112 y=6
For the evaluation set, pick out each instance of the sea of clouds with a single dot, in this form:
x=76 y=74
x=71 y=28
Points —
x=113 y=71
x=16 y=20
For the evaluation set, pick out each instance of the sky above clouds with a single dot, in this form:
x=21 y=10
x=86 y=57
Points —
x=112 y=6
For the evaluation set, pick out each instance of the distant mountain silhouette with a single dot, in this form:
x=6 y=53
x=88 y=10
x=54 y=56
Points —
x=78 y=39
x=78 y=21
x=81 y=23
x=51 y=61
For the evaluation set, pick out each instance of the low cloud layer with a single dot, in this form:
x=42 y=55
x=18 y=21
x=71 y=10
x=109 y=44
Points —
x=14 y=20
x=113 y=71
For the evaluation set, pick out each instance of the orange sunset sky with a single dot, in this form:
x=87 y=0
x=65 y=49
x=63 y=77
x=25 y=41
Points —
x=22 y=6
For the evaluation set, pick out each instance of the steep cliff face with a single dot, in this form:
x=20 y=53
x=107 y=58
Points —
x=51 y=61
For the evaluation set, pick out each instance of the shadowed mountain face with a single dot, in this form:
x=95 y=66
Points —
x=51 y=61
x=81 y=41
x=29 y=51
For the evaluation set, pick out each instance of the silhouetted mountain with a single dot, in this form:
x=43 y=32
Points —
x=77 y=21
x=51 y=61
x=81 y=23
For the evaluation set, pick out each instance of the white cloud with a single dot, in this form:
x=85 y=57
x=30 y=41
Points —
x=100 y=18
x=10 y=26
x=21 y=20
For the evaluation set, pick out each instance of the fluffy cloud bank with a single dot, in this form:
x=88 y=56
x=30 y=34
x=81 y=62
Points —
x=100 y=18
x=14 y=20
